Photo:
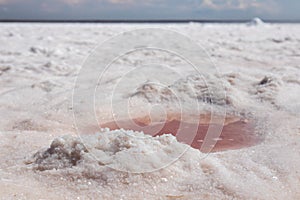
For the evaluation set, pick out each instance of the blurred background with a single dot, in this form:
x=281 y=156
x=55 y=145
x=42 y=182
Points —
x=211 y=10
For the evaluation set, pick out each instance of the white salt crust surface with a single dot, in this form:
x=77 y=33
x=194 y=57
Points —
x=259 y=64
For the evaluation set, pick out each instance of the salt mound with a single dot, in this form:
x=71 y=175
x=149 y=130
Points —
x=120 y=150
x=88 y=162
x=267 y=89
x=64 y=152
x=207 y=89
x=204 y=89
x=255 y=22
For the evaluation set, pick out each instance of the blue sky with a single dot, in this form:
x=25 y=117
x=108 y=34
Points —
x=150 y=9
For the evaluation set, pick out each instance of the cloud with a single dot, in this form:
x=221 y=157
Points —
x=132 y=2
x=70 y=2
x=264 y=5
x=76 y=2
x=73 y=2
x=120 y=1
x=5 y=2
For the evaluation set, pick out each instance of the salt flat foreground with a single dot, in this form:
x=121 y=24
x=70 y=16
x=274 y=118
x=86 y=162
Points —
x=41 y=156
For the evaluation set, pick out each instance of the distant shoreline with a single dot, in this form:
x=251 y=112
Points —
x=141 y=21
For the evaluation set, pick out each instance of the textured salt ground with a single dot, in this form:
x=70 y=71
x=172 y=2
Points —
x=212 y=177
x=38 y=65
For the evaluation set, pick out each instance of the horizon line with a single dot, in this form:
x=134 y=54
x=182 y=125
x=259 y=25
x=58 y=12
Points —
x=140 y=21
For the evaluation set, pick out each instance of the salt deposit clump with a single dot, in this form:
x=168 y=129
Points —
x=120 y=150
x=206 y=89
x=63 y=152
x=255 y=22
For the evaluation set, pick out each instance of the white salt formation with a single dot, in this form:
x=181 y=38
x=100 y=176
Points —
x=111 y=160
x=42 y=157
x=128 y=151
x=255 y=22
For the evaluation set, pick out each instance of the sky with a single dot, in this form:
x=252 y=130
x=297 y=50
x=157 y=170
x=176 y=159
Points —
x=149 y=9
